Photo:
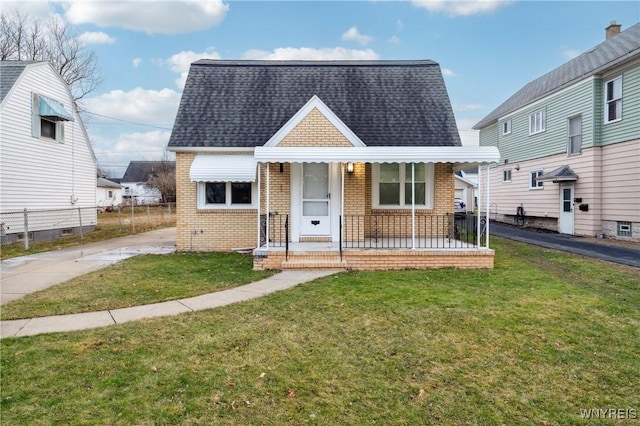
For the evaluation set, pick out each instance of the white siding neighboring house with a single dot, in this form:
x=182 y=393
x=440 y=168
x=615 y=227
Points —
x=108 y=193
x=135 y=179
x=47 y=161
x=570 y=145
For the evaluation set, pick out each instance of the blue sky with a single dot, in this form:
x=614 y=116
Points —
x=487 y=49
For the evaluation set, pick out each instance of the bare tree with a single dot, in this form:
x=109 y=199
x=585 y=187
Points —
x=22 y=39
x=163 y=178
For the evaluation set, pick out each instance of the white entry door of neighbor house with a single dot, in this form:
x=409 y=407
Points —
x=565 y=225
x=316 y=200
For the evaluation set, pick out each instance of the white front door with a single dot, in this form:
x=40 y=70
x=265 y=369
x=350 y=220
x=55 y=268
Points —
x=566 y=209
x=316 y=200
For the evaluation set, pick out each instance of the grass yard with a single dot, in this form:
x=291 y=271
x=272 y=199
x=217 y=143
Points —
x=139 y=280
x=540 y=339
x=110 y=225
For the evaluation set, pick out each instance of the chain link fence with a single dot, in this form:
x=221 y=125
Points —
x=44 y=225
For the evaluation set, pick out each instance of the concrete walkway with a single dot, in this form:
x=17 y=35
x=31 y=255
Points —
x=598 y=250
x=26 y=274
x=281 y=281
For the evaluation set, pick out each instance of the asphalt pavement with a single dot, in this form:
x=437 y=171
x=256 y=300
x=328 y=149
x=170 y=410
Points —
x=569 y=243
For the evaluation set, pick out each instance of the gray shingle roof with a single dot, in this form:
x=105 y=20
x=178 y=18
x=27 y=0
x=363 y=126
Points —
x=607 y=54
x=9 y=73
x=106 y=183
x=243 y=103
x=141 y=171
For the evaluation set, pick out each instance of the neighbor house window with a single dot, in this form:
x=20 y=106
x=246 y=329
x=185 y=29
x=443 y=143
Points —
x=110 y=194
x=238 y=195
x=506 y=175
x=506 y=127
x=574 y=145
x=613 y=100
x=533 y=181
x=47 y=118
x=393 y=183
x=537 y=122
x=48 y=128
x=624 y=229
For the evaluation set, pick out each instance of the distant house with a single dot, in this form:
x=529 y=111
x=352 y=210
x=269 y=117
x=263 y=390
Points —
x=135 y=181
x=47 y=161
x=323 y=164
x=466 y=191
x=108 y=193
x=570 y=144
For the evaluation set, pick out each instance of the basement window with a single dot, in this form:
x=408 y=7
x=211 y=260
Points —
x=624 y=229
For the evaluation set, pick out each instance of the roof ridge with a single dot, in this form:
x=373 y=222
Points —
x=297 y=62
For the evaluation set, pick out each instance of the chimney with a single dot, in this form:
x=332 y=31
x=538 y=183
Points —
x=612 y=30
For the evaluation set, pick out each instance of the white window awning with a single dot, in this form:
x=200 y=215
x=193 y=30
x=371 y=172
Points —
x=53 y=110
x=386 y=154
x=223 y=168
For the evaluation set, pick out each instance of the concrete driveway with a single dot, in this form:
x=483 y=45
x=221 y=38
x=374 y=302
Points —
x=23 y=275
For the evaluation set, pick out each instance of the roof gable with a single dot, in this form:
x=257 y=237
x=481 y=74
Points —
x=243 y=104
x=606 y=55
x=315 y=103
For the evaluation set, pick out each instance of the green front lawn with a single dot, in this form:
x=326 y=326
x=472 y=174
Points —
x=139 y=280
x=537 y=340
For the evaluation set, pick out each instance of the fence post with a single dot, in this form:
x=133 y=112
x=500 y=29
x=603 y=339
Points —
x=133 y=217
x=169 y=212
x=26 y=230
x=80 y=216
x=148 y=215
x=120 y=217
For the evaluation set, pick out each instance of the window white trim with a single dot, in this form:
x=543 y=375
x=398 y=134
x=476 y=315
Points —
x=429 y=188
x=202 y=200
x=614 y=101
x=538 y=185
x=506 y=176
x=572 y=137
x=506 y=127
x=537 y=122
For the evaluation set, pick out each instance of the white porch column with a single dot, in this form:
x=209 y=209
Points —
x=259 y=190
x=341 y=197
x=413 y=206
x=478 y=230
x=268 y=207
x=487 y=217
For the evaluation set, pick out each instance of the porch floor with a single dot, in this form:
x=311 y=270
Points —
x=395 y=253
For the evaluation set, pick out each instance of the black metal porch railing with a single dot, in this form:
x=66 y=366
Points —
x=278 y=230
x=395 y=231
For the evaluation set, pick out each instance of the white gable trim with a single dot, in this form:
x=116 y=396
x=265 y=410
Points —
x=314 y=102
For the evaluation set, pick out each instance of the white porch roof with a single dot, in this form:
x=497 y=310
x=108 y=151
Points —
x=386 y=154
x=223 y=168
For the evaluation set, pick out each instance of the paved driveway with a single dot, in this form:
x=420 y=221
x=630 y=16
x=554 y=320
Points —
x=24 y=275
x=601 y=250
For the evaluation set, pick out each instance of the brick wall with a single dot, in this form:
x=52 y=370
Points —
x=315 y=130
x=209 y=230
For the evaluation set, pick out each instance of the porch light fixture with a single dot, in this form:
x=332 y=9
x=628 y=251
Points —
x=517 y=167
x=350 y=167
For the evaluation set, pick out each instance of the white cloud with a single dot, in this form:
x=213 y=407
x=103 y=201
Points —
x=469 y=107
x=308 y=53
x=96 y=38
x=446 y=72
x=150 y=16
x=36 y=9
x=395 y=40
x=467 y=123
x=136 y=62
x=116 y=153
x=155 y=107
x=352 y=34
x=571 y=53
x=462 y=7
x=399 y=25
x=180 y=62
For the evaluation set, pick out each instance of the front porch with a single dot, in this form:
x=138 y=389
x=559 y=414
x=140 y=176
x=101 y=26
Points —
x=381 y=242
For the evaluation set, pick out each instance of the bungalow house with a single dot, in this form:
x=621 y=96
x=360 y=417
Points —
x=108 y=193
x=47 y=166
x=570 y=144
x=323 y=164
x=135 y=181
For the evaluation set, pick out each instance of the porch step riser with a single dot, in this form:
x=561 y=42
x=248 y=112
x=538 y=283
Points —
x=310 y=264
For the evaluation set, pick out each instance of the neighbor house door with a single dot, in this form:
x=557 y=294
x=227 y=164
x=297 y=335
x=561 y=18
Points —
x=316 y=200
x=566 y=209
